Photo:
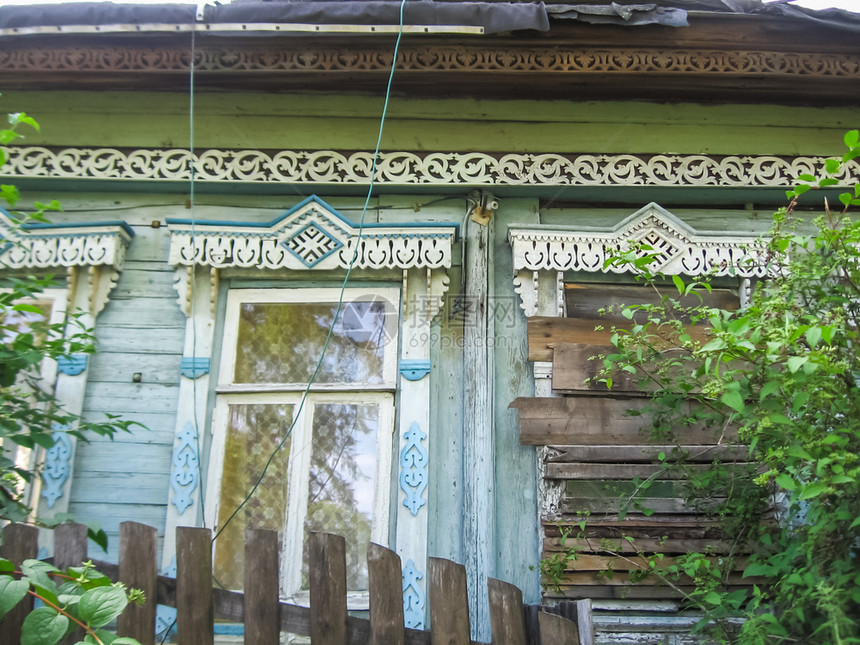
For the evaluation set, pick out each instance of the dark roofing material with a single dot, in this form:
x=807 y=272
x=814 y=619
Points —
x=494 y=17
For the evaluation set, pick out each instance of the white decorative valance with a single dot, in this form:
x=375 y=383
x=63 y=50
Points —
x=312 y=235
x=679 y=249
x=62 y=245
x=404 y=168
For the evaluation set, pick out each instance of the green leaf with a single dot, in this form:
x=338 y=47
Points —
x=813 y=335
x=771 y=387
x=852 y=137
x=812 y=490
x=785 y=481
x=679 y=283
x=99 y=606
x=11 y=593
x=37 y=571
x=796 y=362
x=734 y=400
x=43 y=626
x=832 y=165
x=713 y=598
x=845 y=198
x=806 y=177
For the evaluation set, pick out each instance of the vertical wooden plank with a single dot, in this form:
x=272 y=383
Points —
x=555 y=630
x=507 y=618
x=70 y=550
x=386 y=597
x=478 y=494
x=138 y=569
x=449 y=608
x=327 y=558
x=262 y=611
x=195 y=613
x=20 y=542
x=516 y=481
x=585 y=621
x=70 y=545
x=532 y=628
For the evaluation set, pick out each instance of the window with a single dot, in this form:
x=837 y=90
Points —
x=332 y=471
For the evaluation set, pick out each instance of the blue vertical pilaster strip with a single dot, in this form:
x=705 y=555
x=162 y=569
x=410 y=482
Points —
x=413 y=469
x=413 y=597
x=165 y=617
x=73 y=364
x=58 y=466
x=184 y=475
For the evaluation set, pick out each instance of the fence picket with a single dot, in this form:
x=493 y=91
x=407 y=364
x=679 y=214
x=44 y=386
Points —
x=70 y=550
x=262 y=611
x=585 y=622
x=138 y=569
x=327 y=560
x=386 y=597
x=20 y=542
x=507 y=619
x=326 y=620
x=556 y=630
x=194 y=610
x=449 y=604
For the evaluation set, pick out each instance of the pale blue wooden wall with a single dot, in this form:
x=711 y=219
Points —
x=140 y=330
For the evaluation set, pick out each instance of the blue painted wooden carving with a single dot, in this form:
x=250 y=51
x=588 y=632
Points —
x=414 y=369
x=73 y=364
x=413 y=597
x=413 y=469
x=58 y=465
x=165 y=617
x=194 y=366
x=184 y=475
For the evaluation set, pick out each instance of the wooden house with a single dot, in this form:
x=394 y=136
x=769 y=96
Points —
x=214 y=165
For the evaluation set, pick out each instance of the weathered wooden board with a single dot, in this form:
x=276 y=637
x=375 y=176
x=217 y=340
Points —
x=589 y=470
x=622 y=578
x=589 y=420
x=612 y=504
x=646 y=545
x=555 y=629
x=589 y=562
x=645 y=453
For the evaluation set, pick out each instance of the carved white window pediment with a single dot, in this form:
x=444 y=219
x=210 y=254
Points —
x=62 y=245
x=98 y=247
x=311 y=235
x=682 y=250
x=679 y=248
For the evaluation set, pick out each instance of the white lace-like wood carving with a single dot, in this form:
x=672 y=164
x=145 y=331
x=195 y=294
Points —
x=52 y=246
x=311 y=235
x=679 y=249
x=329 y=167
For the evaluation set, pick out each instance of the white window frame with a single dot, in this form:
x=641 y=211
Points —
x=29 y=458
x=380 y=394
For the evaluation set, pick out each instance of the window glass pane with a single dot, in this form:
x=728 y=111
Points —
x=253 y=432
x=282 y=342
x=16 y=322
x=340 y=495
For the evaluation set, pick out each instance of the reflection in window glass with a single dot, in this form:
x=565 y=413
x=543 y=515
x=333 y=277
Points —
x=253 y=432
x=340 y=495
x=282 y=342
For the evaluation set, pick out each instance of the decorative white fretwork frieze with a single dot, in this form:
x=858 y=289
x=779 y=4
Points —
x=312 y=235
x=407 y=168
x=677 y=247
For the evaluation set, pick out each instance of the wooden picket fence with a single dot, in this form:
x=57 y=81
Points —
x=326 y=621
